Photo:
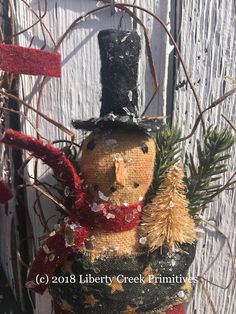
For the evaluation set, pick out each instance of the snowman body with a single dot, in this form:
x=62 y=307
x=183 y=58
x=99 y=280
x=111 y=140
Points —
x=115 y=272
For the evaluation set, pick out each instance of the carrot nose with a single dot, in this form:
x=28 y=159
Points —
x=120 y=171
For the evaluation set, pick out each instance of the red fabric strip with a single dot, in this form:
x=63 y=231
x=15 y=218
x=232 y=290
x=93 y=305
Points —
x=52 y=254
x=114 y=218
x=21 y=60
x=50 y=257
x=53 y=157
x=178 y=309
x=5 y=192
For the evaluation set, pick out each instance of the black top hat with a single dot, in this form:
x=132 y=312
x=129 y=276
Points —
x=119 y=52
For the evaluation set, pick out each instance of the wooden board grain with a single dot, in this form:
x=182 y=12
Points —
x=9 y=224
x=206 y=33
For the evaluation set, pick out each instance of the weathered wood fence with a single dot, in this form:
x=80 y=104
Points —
x=205 y=32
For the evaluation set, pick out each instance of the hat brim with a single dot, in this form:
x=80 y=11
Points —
x=112 y=121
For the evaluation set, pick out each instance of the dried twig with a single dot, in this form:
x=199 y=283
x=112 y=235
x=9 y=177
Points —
x=225 y=186
x=38 y=202
x=122 y=5
x=76 y=21
x=35 y=23
x=214 y=104
x=208 y=296
x=232 y=259
x=29 y=184
x=20 y=174
x=66 y=141
x=229 y=122
x=57 y=46
x=27 y=119
x=223 y=97
x=22 y=102
x=39 y=20
x=1 y=34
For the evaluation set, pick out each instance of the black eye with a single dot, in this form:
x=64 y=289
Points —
x=144 y=148
x=95 y=187
x=136 y=185
x=91 y=145
x=113 y=188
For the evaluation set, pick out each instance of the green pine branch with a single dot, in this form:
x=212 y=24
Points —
x=167 y=155
x=202 y=180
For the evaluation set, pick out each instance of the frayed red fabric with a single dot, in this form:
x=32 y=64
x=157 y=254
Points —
x=53 y=157
x=50 y=257
x=21 y=60
x=178 y=309
x=111 y=218
x=79 y=232
x=5 y=192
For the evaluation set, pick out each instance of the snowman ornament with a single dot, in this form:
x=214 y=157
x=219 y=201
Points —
x=118 y=269
x=127 y=246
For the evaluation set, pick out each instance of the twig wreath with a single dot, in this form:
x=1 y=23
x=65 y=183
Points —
x=131 y=207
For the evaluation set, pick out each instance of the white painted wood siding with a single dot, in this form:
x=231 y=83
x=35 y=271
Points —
x=207 y=41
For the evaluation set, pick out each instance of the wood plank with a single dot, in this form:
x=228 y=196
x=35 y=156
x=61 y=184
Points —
x=9 y=230
x=207 y=39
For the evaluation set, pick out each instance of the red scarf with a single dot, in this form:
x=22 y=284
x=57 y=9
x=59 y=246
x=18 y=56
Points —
x=55 y=250
x=107 y=217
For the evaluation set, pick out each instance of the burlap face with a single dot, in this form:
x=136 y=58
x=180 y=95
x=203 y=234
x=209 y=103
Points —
x=118 y=165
